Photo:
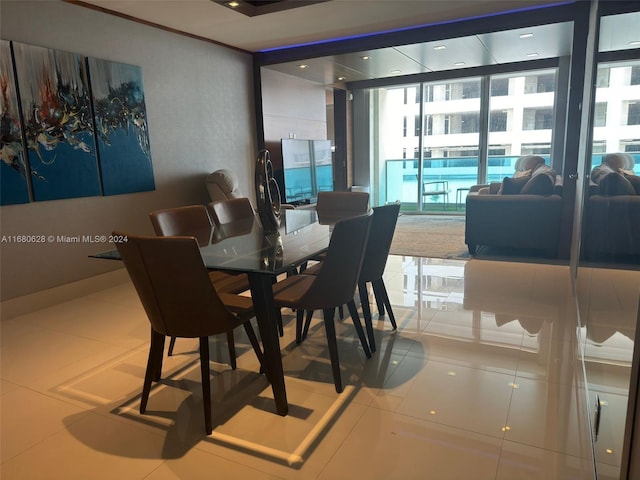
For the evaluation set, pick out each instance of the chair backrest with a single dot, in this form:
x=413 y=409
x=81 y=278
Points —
x=383 y=226
x=192 y=220
x=222 y=185
x=227 y=211
x=174 y=286
x=336 y=282
x=332 y=206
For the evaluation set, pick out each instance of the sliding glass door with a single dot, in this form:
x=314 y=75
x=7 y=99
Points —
x=462 y=132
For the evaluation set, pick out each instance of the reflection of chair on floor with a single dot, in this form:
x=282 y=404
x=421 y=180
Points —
x=180 y=301
x=193 y=220
x=334 y=285
x=435 y=189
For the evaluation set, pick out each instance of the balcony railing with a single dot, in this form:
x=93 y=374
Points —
x=401 y=179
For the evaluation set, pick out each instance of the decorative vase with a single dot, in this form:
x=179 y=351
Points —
x=267 y=193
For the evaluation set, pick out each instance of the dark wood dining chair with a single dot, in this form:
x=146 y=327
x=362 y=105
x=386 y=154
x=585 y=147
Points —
x=383 y=227
x=231 y=210
x=334 y=285
x=194 y=220
x=180 y=301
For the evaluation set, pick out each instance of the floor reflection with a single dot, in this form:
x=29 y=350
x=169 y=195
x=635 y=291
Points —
x=483 y=379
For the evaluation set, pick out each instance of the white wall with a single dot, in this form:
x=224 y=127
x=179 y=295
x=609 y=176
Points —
x=199 y=99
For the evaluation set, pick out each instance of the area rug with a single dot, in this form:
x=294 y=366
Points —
x=434 y=236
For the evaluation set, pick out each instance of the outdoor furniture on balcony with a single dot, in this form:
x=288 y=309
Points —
x=435 y=189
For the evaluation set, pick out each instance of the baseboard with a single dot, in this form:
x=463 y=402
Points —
x=45 y=298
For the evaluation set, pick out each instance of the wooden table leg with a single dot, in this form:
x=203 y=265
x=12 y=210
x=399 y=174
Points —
x=266 y=315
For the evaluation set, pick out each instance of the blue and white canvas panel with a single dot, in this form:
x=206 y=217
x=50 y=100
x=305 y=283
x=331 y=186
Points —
x=121 y=125
x=56 y=110
x=14 y=187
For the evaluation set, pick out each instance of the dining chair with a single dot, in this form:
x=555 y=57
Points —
x=334 y=285
x=233 y=210
x=194 y=220
x=227 y=211
x=180 y=301
x=333 y=206
x=376 y=254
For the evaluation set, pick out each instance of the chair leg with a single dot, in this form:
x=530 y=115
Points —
x=341 y=312
x=159 y=355
x=356 y=323
x=156 y=350
x=366 y=313
x=231 y=345
x=379 y=298
x=330 y=330
x=280 y=325
x=299 y=320
x=380 y=291
x=307 y=324
x=206 y=383
x=172 y=343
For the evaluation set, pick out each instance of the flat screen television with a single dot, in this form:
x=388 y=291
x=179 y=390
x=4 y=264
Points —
x=307 y=169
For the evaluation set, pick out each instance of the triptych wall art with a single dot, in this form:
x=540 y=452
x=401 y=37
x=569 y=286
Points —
x=71 y=126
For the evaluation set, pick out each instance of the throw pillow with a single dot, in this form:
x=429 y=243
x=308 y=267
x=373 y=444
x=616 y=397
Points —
x=616 y=184
x=538 y=185
x=634 y=180
x=512 y=186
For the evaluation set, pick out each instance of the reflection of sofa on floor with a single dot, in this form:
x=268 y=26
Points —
x=509 y=298
x=612 y=212
x=520 y=212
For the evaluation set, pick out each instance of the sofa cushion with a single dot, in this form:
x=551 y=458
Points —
x=513 y=186
x=616 y=184
x=599 y=172
x=635 y=181
x=528 y=162
x=539 y=185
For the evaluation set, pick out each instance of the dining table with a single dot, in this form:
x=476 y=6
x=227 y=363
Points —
x=245 y=247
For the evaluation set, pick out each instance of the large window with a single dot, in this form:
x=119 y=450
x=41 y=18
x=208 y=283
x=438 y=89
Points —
x=616 y=119
x=537 y=119
x=443 y=134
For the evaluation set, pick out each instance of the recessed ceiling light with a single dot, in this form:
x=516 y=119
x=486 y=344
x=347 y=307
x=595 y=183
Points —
x=526 y=35
x=233 y=4
x=440 y=47
x=532 y=54
x=396 y=71
x=303 y=66
x=635 y=43
x=342 y=78
x=365 y=57
x=459 y=64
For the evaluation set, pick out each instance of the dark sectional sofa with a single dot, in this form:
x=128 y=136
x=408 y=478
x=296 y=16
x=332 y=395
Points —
x=521 y=212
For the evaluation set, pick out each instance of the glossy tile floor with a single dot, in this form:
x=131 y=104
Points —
x=480 y=381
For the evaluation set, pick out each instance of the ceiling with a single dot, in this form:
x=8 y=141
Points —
x=273 y=25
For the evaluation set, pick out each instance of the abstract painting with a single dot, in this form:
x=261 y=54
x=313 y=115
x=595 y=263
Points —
x=58 y=124
x=14 y=186
x=121 y=127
